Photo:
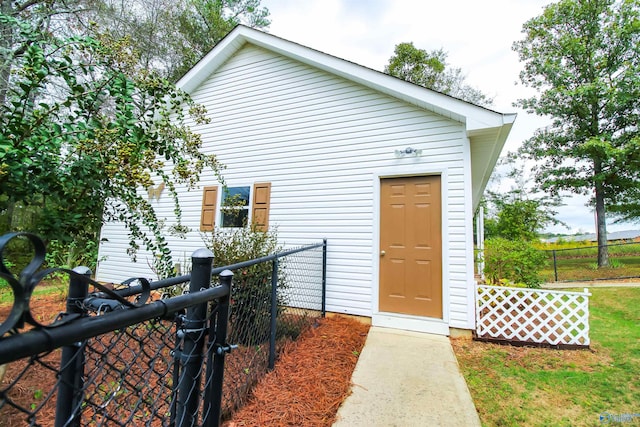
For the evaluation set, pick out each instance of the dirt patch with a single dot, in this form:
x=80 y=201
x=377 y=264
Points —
x=44 y=308
x=534 y=358
x=622 y=280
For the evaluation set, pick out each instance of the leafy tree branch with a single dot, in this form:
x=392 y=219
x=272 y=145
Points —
x=431 y=70
x=83 y=152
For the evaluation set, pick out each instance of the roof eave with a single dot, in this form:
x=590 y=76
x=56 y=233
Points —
x=473 y=116
x=500 y=133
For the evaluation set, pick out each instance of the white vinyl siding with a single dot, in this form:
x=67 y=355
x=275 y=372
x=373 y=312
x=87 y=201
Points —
x=318 y=139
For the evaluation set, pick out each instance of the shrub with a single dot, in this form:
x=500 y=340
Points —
x=73 y=254
x=613 y=264
x=251 y=294
x=514 y=260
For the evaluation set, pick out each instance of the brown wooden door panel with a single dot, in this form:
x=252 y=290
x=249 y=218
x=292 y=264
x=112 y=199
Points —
x=411 y=240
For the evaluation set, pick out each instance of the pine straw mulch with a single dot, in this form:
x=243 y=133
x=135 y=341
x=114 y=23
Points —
x=311 y=378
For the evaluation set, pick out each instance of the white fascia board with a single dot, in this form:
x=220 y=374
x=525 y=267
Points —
x=475 y=118
x=480 y=123
x=444 y=105
x=210 y=62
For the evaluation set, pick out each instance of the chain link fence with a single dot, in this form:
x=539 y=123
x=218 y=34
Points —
x=265 y=317
x=581 y=263
x=134 y=356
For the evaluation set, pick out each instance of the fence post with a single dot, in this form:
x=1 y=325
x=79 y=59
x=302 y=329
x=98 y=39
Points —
x=274 y=314
x=555 y=265
x=218 y=348
x=193 y=333
x=72 y=360
x=324 y=277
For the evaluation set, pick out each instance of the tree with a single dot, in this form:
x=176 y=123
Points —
x=109 y=57
x=171 y=36
x=520 y=213
x=81 y=153
x=628 y=208
x=431 y=70
x=517 y=218
x=583 y=58
x=203 y=23
x=46 y=16
x=43 y=14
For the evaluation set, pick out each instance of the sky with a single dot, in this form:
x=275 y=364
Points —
x=478 y=36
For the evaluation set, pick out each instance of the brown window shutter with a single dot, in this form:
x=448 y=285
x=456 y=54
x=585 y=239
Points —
x=261 y=203
x=209 y=201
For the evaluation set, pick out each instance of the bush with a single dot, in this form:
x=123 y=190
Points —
x=513 y=260
x=71 y=255
x=251 y=294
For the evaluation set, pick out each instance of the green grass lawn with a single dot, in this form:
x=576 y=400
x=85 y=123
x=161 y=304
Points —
x=516 y=386
x=56 y=286
x=572 y=269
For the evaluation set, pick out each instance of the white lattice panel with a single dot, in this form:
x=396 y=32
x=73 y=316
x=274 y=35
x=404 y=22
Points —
x=533 y=315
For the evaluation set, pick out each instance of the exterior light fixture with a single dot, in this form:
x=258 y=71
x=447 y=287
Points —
x=409 y=151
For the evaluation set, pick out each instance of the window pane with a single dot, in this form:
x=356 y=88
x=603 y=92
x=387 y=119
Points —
x=236 y=196
x=237 y=212
x=235 y=218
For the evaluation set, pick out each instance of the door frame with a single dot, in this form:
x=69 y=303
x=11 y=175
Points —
x=398 y=320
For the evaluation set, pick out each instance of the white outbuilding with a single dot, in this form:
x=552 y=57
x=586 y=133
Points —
x=389 y=172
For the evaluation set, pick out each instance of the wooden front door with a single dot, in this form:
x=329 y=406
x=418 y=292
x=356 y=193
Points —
x=411 y=246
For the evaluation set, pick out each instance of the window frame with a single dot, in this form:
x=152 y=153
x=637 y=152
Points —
x=247 y=207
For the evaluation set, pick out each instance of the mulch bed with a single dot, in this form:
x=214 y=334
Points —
x=32 y=387
x=310 y=380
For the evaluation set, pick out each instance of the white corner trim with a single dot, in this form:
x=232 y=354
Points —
x=468 y=215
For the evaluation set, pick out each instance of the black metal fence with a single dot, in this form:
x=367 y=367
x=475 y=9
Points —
x=135 y=356
x=581 y=263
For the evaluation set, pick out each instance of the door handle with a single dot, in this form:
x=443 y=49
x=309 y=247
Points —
x=382 y=253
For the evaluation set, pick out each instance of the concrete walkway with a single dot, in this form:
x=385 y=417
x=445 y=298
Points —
x=593 y=284
x=407 y=379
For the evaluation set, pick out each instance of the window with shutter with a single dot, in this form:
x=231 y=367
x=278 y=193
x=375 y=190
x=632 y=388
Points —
x=261 y=203
x=209 y=202
x=234 y=210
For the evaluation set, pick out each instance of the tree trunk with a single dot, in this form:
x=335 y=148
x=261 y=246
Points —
x=603 y=250
x=6 y=218
x=6 y=39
